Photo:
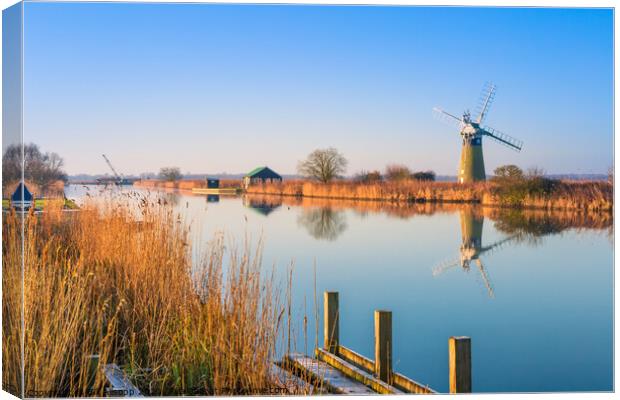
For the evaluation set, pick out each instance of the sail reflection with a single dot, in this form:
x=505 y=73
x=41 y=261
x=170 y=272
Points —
x=472 y=248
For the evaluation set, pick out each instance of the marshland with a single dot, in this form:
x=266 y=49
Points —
x=170 y=314
x=308 y=131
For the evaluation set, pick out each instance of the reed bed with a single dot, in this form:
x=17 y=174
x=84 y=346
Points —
x=565 y=195
x=118 y=281
x=185 y=184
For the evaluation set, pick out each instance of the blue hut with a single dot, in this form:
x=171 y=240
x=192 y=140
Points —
x=22 y=198
x=213 y=183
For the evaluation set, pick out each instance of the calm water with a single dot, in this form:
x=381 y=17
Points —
x=538 y=307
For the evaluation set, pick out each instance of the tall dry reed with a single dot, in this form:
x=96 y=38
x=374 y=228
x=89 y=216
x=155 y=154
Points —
x=565 y=195
x=118 y=281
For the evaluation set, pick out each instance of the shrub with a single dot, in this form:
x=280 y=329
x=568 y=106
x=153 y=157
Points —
x=397 y=172
x=424 y=176
x=368 y=177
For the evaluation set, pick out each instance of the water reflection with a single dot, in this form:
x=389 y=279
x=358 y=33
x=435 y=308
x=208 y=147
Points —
x=523 y=226
x=471 y=248
x=396 y=245
x=323 y=223
x=262 y=204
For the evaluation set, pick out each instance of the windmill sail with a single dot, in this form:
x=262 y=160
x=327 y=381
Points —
x=490 y=249
x=487 y=97
x=447 y=118
x=502 y=138
x=485 y=278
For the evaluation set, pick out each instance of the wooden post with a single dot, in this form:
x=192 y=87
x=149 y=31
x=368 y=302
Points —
x=383 y=345
x=93 y=368
x=459 y=354
x=330 y=322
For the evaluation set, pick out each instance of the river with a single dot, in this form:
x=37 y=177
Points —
x=533 y=290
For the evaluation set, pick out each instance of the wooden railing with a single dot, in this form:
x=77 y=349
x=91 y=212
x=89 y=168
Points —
x=385 y=379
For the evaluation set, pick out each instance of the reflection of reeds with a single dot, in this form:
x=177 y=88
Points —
x=97 y=283
x=570 y=195
x=508 y=220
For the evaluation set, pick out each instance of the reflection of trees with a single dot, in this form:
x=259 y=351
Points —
x=323 y=223
x=541 y=223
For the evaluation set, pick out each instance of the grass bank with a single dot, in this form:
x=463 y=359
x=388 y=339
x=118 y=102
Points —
x=97 y=282
x=553 y=195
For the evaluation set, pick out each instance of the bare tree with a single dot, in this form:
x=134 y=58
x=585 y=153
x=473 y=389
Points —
x=40 y=168
x=170 y=174
x=323 y=165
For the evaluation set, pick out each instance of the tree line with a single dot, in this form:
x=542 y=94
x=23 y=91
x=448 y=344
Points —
x=325 y=165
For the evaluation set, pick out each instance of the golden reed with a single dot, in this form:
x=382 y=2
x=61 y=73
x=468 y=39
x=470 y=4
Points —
x=117 y=281
x=566 y=195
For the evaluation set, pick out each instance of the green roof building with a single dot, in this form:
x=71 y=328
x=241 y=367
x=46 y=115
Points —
x=261 y=175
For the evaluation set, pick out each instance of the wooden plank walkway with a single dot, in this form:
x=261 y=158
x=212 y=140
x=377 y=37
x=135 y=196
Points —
x=222 y=191
x=289 y=383
x=342 y=370
x=331 y=379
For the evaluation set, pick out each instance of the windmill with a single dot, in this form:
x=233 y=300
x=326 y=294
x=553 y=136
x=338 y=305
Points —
x=471 y=247
x=471 y=167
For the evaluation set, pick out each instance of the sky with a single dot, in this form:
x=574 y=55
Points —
x=225 y=88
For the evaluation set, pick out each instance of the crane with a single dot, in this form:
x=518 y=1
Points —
x=119 y=178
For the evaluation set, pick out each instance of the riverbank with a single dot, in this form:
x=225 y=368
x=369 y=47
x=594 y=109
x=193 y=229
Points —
x=561 y=195
x=184 y=184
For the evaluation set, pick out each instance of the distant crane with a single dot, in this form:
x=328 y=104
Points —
x=118 y=178
x=471 y=167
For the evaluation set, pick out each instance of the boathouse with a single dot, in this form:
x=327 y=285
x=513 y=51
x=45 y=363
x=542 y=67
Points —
x=21 y=199
x=261 y=175
x=213 y=183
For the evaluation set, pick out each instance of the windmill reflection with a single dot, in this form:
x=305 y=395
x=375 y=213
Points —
x=323 y=223
x=471 y=248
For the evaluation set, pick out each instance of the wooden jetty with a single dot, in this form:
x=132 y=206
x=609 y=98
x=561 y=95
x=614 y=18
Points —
x=221 y=191
x=334 y=368
x=338 y=369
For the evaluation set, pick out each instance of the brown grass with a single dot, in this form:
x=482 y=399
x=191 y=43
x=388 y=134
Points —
x=566 y=195
x=117 y=281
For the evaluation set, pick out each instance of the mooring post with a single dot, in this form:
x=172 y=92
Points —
x=93 y=367
x=459 y=354
x=330 y=322
x=383 y=345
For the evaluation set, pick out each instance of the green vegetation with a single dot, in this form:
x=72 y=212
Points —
x=513 y=187
x=423 y=176
x=43 y=203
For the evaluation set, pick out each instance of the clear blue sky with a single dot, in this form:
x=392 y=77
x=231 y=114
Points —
x=213 y=88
